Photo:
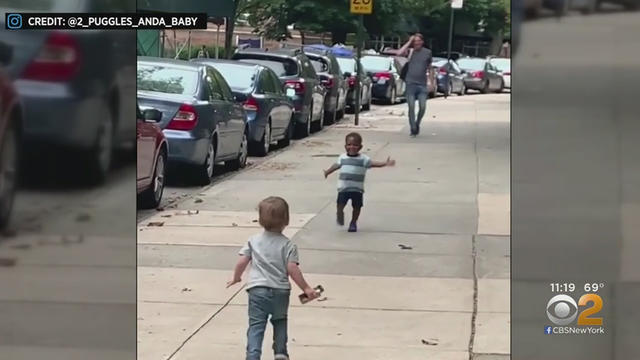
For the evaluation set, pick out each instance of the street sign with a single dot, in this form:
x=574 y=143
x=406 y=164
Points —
x=456 y=4
x=361 y=7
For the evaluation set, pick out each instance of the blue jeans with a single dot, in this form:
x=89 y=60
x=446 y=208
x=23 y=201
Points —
x=420 y=92
x=263 y=302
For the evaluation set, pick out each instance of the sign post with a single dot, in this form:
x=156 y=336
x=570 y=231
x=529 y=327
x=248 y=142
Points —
x=361 y=8
x=455 y=4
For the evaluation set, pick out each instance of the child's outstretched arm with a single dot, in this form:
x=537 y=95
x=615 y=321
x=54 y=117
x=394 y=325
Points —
x=330 y=170
x=296 y=275
x=241 y=265
x=389 y=162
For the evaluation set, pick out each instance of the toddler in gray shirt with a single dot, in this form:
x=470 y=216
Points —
x=273 y=258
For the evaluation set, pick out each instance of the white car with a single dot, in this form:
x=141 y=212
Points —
x=504 y=65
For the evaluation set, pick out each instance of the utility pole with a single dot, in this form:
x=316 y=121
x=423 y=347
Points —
x=358 y=56
x=455 y=4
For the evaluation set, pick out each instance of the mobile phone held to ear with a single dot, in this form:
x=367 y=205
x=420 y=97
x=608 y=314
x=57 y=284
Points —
x=305 y=299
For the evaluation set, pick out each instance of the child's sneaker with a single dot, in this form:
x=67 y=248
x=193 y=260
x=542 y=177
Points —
x=340 y=218
x=353 y=227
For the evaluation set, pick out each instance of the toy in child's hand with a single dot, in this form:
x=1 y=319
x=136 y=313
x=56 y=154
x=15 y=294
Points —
x=305 y=299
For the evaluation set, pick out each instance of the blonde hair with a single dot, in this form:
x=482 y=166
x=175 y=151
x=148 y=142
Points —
x=273 y=213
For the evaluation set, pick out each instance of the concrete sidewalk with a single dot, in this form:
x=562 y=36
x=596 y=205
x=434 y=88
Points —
x=447 y=199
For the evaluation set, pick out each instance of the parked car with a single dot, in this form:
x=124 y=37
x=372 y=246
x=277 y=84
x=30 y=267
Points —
x=65 y=78
x=10 y=131
x=328 y=70
x=455 y=55
x=385 y=76
x=432 y=81
x=152 y=149
x=200 y=118
x=450 y=77
x=504 y=66
x=483 y=76
x=350 y=71
x=269 y=110
x=300 y=81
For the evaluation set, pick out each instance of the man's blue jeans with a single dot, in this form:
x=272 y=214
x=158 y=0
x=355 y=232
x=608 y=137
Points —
x=263 y=302
x=420 y=92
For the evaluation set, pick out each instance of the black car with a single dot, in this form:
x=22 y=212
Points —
x=385 y=75
x=269 y=110
x=328 y=71
x=455 y=55
x=64 y=78
x=348 y=67
x=450 y=77
x=200 y=118
x=482 y=75
x=300 y=81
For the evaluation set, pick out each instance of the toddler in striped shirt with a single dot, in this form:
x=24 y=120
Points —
x=353 y=167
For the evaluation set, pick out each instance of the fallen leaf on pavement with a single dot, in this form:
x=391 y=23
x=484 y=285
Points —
x=198 y=201
x=83 y=218
x=404 y=247
x=234 y=224
x=166 y=216
x=7 y=262
x=155 y=223
x=186 y=289
x=323 y=299
x=431 y=343
x=254 y=220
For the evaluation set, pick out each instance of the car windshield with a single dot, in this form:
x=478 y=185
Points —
x=376 y=63
x=347 y=65
x=502 y=64
x=240 y=77
x=471 y=64
x=284 y=67
x=167 y=79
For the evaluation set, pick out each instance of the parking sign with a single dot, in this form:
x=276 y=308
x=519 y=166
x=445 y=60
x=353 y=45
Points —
x=361 y=7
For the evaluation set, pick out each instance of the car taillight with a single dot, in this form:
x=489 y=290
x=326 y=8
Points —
x=478 y=74
x=380 y=76
x=185 y=119
x=352 y=81
x=58 y=60
x=328 y=82
x=297 y=85
x=251 y=104
x=443 y=71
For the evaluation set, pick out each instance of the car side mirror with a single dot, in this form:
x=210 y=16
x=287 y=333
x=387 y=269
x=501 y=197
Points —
x=152 y=115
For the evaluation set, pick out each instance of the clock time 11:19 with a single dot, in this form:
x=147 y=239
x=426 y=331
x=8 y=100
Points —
x=563 y=287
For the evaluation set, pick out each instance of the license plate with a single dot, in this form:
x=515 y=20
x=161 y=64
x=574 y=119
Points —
x=290 y=92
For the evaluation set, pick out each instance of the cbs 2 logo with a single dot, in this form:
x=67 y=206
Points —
x=560 y=313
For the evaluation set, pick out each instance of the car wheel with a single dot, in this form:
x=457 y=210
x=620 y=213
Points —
x=450 y=88
x=262 y=147
x=241 y=161
x=463 y=90
x=485 y=88
x=367 y=106
x=152 y=196
x=332 y=116
x=319 y=124
x=392 y=98
x=289 y=134
x=98 y=159
x=8 y=173
x=501 y=88
x=303 y=130
x=205 y=172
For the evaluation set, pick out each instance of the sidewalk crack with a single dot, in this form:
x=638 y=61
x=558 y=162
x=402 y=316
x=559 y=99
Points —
x=474 y=314
x=206 y=322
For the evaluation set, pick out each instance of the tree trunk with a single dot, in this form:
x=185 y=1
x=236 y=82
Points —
x=228 y=37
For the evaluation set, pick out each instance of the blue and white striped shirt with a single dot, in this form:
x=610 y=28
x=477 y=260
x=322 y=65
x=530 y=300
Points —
x=352 y=172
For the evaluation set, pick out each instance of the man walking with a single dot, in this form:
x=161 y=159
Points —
x=416 y=78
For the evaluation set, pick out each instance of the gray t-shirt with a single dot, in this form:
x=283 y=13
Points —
x=418 y=65
x=270 y=253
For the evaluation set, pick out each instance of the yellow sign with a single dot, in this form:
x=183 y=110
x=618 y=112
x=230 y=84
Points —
x=361 y=7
